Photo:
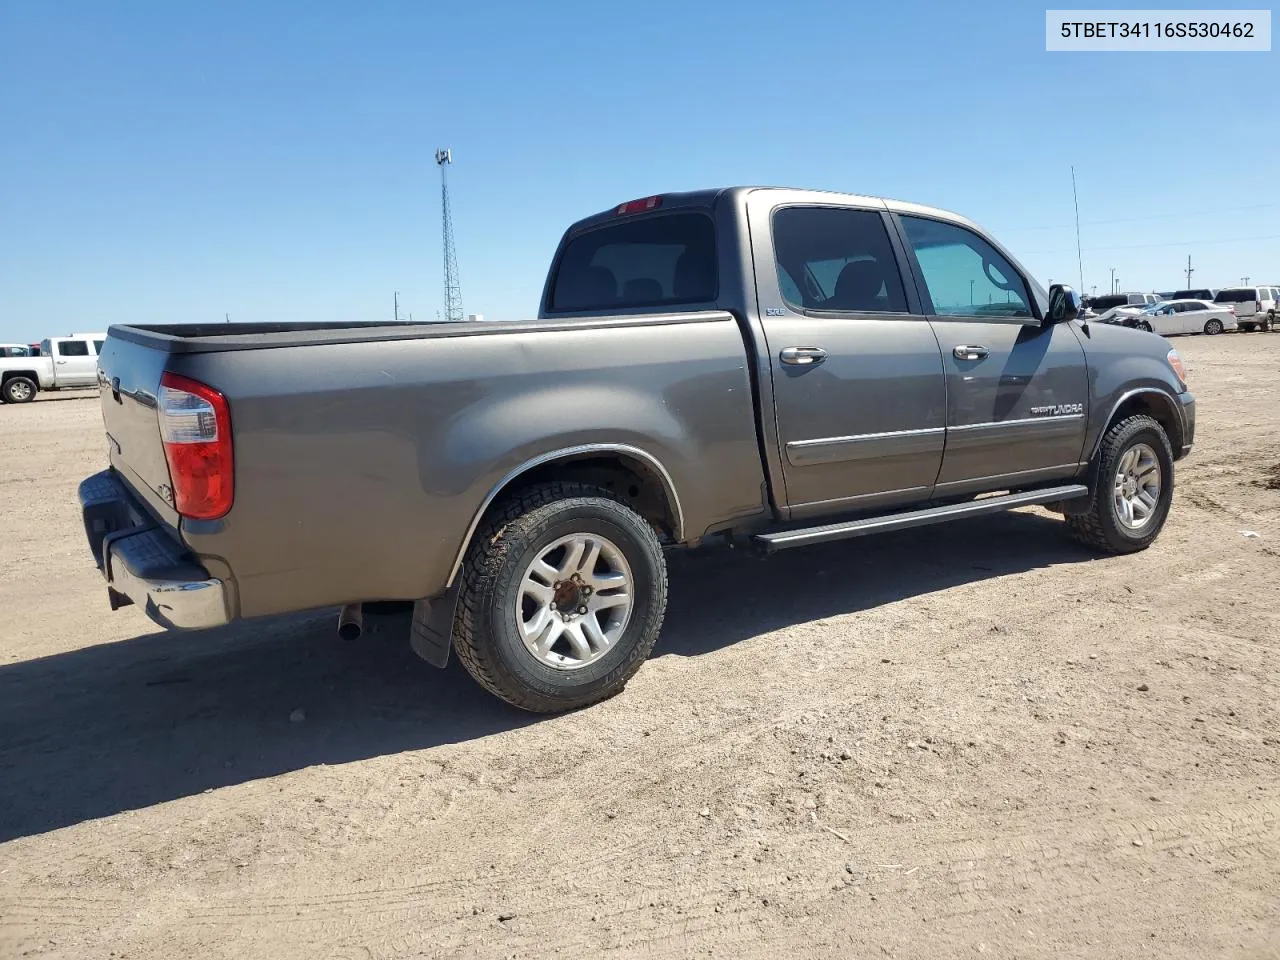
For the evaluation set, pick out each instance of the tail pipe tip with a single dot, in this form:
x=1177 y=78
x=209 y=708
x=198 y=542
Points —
x=351 y=621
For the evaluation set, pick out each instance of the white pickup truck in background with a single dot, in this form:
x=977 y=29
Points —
x=65 y=363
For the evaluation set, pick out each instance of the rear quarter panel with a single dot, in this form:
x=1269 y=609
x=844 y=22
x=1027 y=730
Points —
x=361 y=466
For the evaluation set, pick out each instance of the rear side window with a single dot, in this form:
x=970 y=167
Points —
x=1236 y=295
x=656 y=261
x=1107 y=302
x=97 y=346
x=73 y=348
x=830 y=258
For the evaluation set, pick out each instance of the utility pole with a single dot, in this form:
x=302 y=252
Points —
x=397 y=306
x=1244 y=281
x=227 y=317
x=1113 y=279
x=1190 y=271
x=452 y=288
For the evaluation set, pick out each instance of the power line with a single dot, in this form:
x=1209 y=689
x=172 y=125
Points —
x=1148 y=246
x=1153 y=216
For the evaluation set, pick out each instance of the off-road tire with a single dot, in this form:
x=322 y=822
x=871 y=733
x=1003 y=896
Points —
x=1100 y=527
x=484 y=630
x=13 y=386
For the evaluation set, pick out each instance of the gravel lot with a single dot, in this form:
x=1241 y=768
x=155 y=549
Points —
x=976 y=738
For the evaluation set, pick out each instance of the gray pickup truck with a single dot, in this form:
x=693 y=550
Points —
x=761 y=366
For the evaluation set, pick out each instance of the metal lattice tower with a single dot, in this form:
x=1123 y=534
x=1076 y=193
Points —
x=452 y=288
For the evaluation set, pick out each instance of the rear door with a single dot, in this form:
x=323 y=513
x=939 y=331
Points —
x=74 y=363
x=1017 y=392
x=859 y=396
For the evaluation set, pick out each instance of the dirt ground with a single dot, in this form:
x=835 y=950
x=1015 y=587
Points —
x=972 y=739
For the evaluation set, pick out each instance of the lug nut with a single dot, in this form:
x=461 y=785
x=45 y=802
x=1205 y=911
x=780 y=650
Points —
x=587 y=591
x=552 y=605
x=582 y=609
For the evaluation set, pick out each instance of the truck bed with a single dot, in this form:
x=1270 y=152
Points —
x=365 y=453
x=221 y=337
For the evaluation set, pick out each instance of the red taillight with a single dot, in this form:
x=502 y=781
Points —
x=638 y=206
x=195 y=425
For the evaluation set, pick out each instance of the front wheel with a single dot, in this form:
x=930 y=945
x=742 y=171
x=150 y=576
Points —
x=1143 y=325
x=1133 y=488
x=563 y=594
x=19 y=390
x=1213 y=327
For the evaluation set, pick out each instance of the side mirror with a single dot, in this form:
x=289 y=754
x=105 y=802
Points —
x=1064 y=304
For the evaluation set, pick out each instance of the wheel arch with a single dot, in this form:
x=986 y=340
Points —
x=644 y=481
x=1149 y=401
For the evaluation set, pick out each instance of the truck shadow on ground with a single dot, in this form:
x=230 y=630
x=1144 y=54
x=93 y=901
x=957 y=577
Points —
x=121 y=726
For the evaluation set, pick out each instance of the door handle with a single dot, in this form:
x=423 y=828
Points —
x=60 y=362
x=802 y=356
x=971 y=352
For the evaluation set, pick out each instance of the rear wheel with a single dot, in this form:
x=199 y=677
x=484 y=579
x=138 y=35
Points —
x=563 y=593
x=1213 y=327
x=19 y=390
x=1133 y=488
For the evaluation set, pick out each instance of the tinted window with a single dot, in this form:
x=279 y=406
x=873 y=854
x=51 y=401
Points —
x=966 y=276
x=73 y=348
x=1101 y=304
x=97 y=346
x=639 y=263
x=1194 y=306
x=834 y=259
x=1192 y=295
x=1237 y=295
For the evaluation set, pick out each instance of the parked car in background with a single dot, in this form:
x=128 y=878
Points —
x=14 y=350
x=65 y=363
x=1255 y=306
x=762 y=366
x=1173 y=317
x=1196 y=293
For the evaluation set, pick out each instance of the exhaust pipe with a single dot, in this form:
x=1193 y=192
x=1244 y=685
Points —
x=351 y=621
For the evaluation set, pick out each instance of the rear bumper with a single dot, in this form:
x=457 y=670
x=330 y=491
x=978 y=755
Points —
x=143 y=563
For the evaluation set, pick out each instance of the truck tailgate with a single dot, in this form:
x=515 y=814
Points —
x=129 y=383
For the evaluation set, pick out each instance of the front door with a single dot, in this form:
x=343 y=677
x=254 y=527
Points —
x=1017 y=391
x=859 y=396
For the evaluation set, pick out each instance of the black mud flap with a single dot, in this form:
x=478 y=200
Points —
x=431 y=634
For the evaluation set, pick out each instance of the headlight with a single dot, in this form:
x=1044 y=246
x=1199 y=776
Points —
x=1179 y=368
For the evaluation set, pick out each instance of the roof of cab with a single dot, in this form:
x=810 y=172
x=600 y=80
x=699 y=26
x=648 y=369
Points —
x=708 y=198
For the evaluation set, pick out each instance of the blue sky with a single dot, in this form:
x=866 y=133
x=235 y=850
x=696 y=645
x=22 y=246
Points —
x=178 y=161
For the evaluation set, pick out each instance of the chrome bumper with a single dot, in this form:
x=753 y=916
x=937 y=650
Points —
x=143 y=563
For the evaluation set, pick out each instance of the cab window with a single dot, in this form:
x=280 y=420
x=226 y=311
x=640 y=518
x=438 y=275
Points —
x=73 y=348
x=964 y=274
x=836 y=259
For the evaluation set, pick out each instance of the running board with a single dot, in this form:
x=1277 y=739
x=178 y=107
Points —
x=917 y=518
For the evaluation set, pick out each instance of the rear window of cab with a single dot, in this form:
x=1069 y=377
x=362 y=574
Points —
x=664 y=260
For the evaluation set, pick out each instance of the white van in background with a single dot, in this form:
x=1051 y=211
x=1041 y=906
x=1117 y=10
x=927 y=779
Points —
x=1255 y=306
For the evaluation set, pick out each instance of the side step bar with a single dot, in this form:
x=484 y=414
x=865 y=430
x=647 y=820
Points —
x=917 y=518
